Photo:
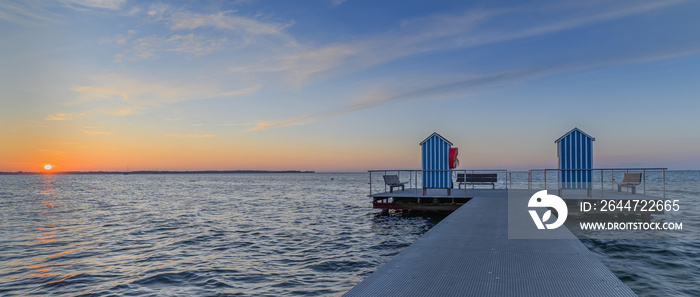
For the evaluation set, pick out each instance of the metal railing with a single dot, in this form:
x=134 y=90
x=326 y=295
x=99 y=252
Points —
x=414 y=177
x=598 y=181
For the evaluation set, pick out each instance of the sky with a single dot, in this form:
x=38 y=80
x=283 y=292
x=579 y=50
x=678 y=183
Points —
x=334 y=85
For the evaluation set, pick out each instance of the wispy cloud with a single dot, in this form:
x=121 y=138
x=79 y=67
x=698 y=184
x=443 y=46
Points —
x=105 y=4
x=468 y=84
x=42 y=13
x=152 y=46
x=126 y=96
x=298 y=66
x=224 y=20
x=337 y=2
x=178 y=135
x=26 y=13
x=52 y=152
x=59 y=117
x=94 y=132
x=240 y=31
x=89 y=93
x=378 y=97
x=237 y=124
x=570 y=23
x=299 y=63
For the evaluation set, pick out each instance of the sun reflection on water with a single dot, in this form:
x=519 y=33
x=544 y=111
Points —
x=47 y=234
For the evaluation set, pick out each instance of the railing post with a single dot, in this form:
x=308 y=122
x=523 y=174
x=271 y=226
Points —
x=415 y=183
x=644 y=181
x=663 y=180
x=385 y=182
x=601 y=183
x=506 y=179
x=465 y=186
x=612 y=180
x=472 y=180
x=370 y=183
x=545 y=179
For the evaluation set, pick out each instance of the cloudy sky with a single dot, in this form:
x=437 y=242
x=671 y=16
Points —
x=335 y=85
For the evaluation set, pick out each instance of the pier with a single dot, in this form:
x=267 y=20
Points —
x=489 y=245
x=469 y=254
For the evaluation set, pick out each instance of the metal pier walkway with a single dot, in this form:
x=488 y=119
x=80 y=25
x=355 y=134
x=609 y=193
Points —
x=469 y=254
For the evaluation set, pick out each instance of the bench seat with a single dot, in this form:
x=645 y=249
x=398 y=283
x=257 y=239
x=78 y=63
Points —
x=630 y=180
x=477 y=179
x=393 y=182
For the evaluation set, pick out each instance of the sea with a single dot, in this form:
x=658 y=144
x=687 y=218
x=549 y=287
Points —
x=255 y=234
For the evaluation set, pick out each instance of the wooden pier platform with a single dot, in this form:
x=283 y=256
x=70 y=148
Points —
x=469 y=254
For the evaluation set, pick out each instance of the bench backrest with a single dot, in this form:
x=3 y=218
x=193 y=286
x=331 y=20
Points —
x=477 y=177
x=632 y=178
x=391 y=179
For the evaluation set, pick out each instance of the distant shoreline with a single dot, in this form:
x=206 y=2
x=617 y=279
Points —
x=158 y=172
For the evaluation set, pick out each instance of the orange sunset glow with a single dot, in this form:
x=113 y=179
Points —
x=284 y=94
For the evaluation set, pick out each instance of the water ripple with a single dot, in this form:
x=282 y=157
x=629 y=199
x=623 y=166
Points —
x=193 y=235
x=252 y=234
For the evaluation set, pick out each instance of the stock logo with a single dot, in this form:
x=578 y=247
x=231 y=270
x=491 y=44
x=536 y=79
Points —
x=542 y=199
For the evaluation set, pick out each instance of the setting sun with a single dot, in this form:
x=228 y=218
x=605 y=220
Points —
x=47 y=167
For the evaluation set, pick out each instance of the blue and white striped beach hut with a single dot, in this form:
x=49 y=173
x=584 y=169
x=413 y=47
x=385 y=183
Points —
x=575 y=151
x=434 y=156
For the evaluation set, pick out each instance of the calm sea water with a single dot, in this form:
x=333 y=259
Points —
x=193 y=235
x=661 y=267
x=253 y=234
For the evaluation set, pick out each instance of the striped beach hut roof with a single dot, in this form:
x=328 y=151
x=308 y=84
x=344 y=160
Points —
x=438 y=135
x=572 y=131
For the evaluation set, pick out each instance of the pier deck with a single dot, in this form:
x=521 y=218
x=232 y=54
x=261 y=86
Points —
x=469 y=254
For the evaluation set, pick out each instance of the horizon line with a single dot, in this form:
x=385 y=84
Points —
x=77 y=172
x=152 y=172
